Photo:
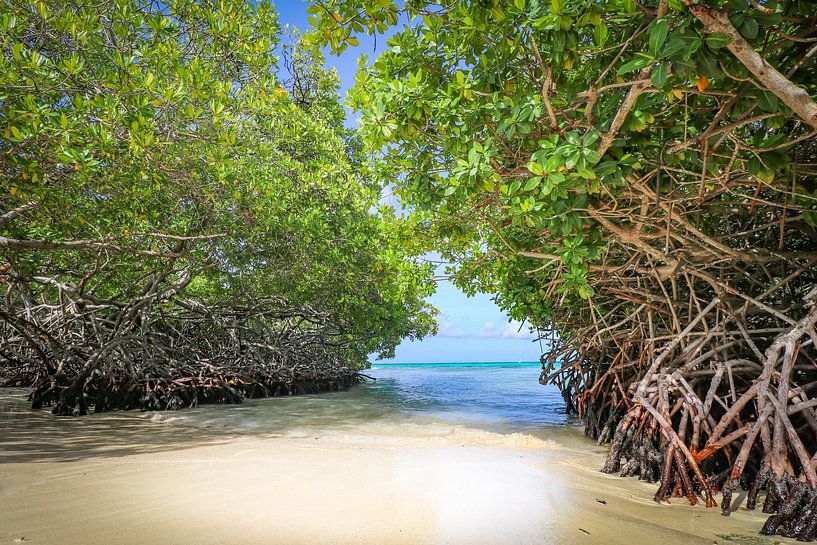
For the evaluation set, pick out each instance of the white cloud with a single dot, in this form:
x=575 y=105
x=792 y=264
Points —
x=488 y=329
x=450 y=329
x=513 y=330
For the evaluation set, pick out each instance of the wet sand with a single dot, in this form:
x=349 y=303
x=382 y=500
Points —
x=128 y=479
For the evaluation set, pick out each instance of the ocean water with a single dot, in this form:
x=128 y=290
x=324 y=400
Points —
x=505 y=396
x=418 y=399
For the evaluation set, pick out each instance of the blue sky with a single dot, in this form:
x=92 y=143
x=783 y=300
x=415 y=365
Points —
x=471 y=328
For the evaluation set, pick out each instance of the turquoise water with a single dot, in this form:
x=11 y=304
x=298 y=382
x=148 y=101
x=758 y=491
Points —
x=460 y=364
x=502 y=397
x=505 y=396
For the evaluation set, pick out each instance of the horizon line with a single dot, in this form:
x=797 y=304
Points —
x=435 y=362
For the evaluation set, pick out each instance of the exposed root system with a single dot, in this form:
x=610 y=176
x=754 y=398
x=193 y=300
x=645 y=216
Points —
x=157 y=352
x=701 y=417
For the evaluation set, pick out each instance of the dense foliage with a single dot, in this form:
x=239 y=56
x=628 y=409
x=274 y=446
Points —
x=639 y=179
x=508 y=121
x=178 y=190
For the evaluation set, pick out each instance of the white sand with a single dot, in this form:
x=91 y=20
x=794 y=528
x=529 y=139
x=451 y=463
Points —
x=124 y=479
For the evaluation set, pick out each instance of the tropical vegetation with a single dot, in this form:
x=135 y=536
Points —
x=184 y=217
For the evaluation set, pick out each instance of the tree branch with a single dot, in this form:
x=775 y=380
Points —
x=794 y=96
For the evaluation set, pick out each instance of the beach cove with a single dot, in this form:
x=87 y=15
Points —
x=446 y=454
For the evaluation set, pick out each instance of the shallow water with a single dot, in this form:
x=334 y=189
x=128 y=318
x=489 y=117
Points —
x=503 y=398
x=506 y=396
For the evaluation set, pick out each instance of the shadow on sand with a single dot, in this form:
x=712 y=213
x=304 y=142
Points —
x=28 y=436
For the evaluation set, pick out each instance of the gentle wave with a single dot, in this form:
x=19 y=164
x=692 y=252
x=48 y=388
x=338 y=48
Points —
x=396 y=433
x=511 y=440
x=497 y=404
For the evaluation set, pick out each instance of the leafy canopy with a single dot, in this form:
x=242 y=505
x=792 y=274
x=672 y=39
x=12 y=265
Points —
x=519 y=132
x=170 y=138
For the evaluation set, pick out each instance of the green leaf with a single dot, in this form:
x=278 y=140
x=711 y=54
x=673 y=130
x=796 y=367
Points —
x=693 y=44
x=591 y=138
x=717 y=41
x=776 y=159
x=749 y=28
x=659 y=75
x=585 y=291
x=707 y=64
x=600 y=33
x=675 y=46
x=768 y=19
x=586 y=173
x=767 y=101
x=776 y=122
x=658 y=35
x=532 y=183
x=592 y=156
x=556 y=6
x=553 y=163
x=754 y=165
x=635 y=64
x=520 y=4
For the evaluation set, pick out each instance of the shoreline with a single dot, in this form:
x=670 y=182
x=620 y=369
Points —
x=127 y=478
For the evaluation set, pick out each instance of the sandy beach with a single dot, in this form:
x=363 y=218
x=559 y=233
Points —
x=131 y=478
